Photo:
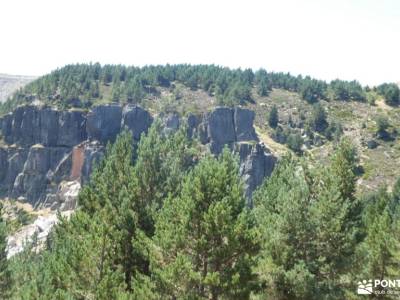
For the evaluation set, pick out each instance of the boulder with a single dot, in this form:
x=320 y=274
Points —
x=67 y=195
x=372 y=144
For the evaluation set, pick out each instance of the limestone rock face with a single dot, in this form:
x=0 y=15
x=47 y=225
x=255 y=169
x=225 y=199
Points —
x=244 y=130
x=136 y=119
x=32 y=182
x=72 y=125
x=220 y=128
x=40 y=228
x=192 y=124
x=234 y=128
x=30 y=125
x=225 y=126
x=3 y=164
x=104 y=123
x=93 y=153
x=47 y=150
x=67 y=195
x=12 y=162
x=257 y=162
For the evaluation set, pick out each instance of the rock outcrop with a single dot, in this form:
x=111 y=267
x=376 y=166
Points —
x=30 y=125
x=256 y=163
x=225 y=126
x=233 y=127
x=47 y=152
x=104 y=123
x=136 y=119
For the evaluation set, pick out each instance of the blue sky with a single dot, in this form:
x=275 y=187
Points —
x=353 y=39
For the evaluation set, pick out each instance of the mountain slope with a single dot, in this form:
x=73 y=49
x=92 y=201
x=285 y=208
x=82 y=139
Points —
x=350 y=109
x=10 y=83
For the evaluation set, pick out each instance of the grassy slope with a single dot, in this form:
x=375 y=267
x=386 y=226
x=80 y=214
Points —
x=358 y=121
x=381 y=165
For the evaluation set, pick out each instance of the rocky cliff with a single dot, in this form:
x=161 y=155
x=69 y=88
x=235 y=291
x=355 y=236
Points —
x=43 y=149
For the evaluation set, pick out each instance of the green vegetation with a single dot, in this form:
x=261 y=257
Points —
x=345 y=90
x=273 y=117
x=5 y=270
x=294 y=142
x=163 y=221
x=83 y=85
x=391 y=93
x=207 y=240
x=382 y=125
x=318 y=121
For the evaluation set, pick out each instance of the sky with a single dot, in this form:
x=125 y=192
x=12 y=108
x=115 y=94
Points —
x=327 y=39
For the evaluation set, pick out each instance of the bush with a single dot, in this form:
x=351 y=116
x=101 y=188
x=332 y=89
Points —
x=382 y=124
x=294 y=142
x=391 y=93
x=317 y=120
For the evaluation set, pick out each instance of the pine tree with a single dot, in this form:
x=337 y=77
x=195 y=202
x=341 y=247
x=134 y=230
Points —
x=273 y=117
x=5 y=272
x=206 y=237
x=114 y=185
x=263 y=87
x=309 y=238
x=161 y=164
x=380 y=250
x=282 y=213
x=318 y=120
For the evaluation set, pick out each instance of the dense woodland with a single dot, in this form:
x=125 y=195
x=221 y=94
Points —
x=82 y=85
x=164 y=220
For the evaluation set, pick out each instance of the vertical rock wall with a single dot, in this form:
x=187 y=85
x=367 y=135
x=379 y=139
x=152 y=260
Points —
x=44 y=147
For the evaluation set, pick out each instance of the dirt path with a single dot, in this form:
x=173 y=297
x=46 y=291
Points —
x=275 y=147
x=381 y=104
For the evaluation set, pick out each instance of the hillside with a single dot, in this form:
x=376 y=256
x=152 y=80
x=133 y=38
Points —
x=350 y=109
x=10 y=83
x=197 y=182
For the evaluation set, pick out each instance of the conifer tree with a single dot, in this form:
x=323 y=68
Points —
x=5 y=272
x=309 y=238
x=263 y=87
x=206 y=237
x=379 y=253
x=114 y=185
x=273 y=117
x=162 y=161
